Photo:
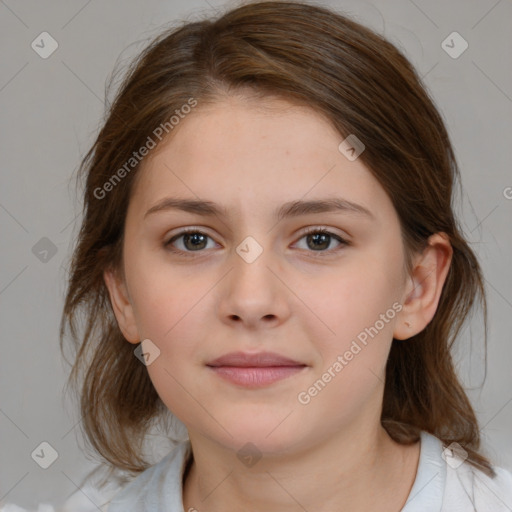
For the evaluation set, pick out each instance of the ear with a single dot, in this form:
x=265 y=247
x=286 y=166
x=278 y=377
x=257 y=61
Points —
x=424 y=287
x=121 y=304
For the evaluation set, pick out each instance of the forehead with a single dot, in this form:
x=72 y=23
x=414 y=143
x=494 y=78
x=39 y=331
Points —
x=241 y=152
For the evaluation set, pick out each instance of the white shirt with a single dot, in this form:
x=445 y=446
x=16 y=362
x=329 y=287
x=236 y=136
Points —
x=444 y=483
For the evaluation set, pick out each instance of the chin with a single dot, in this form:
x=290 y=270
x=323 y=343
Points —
x=268 y=434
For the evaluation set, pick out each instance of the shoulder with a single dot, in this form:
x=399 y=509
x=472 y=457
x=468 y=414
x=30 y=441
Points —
x=468 y=488
x=89 y=498
x=146 y=491
x=446 y=482
x=158 y=487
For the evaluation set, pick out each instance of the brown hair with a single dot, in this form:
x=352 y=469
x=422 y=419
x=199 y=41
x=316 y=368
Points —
x=362 y=84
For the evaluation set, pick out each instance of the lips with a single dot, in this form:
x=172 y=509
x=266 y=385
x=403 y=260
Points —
x=254 y=370
x=246 y=360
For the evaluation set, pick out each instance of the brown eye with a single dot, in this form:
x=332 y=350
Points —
x=320 y=240
x=192 y=241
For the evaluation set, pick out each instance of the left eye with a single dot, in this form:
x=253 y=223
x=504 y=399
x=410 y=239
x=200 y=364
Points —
x=317 y=239
x=320 y=238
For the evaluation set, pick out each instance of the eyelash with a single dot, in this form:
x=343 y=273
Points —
x=309 y=231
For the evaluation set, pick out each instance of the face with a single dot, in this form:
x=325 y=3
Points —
x=246 y=280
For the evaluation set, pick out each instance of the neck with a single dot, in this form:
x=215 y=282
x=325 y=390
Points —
x=363 y=470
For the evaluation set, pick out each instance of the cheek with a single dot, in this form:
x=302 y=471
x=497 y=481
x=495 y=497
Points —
x=165 y=301
x=358 y=309
x=171 y=317
x=341 y=305
x=178 y=390
x=353 y=352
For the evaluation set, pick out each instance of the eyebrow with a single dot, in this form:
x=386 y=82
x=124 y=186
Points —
x=289 y=209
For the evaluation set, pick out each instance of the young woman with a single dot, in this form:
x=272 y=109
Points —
x=269 y=253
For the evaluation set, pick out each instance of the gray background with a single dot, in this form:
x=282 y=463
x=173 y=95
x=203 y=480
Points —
x=51 y=110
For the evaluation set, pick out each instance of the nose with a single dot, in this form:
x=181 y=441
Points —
x=253 y=293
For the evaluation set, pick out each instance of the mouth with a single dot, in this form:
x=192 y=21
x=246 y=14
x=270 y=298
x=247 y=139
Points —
x=254 y=370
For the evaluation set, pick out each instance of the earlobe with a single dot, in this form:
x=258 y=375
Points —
x=424 y=287
x=121 y=305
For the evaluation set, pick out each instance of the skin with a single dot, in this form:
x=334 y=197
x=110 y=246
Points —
x=305 y=303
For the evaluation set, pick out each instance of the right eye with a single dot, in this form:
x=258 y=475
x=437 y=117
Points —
x=193 y=241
